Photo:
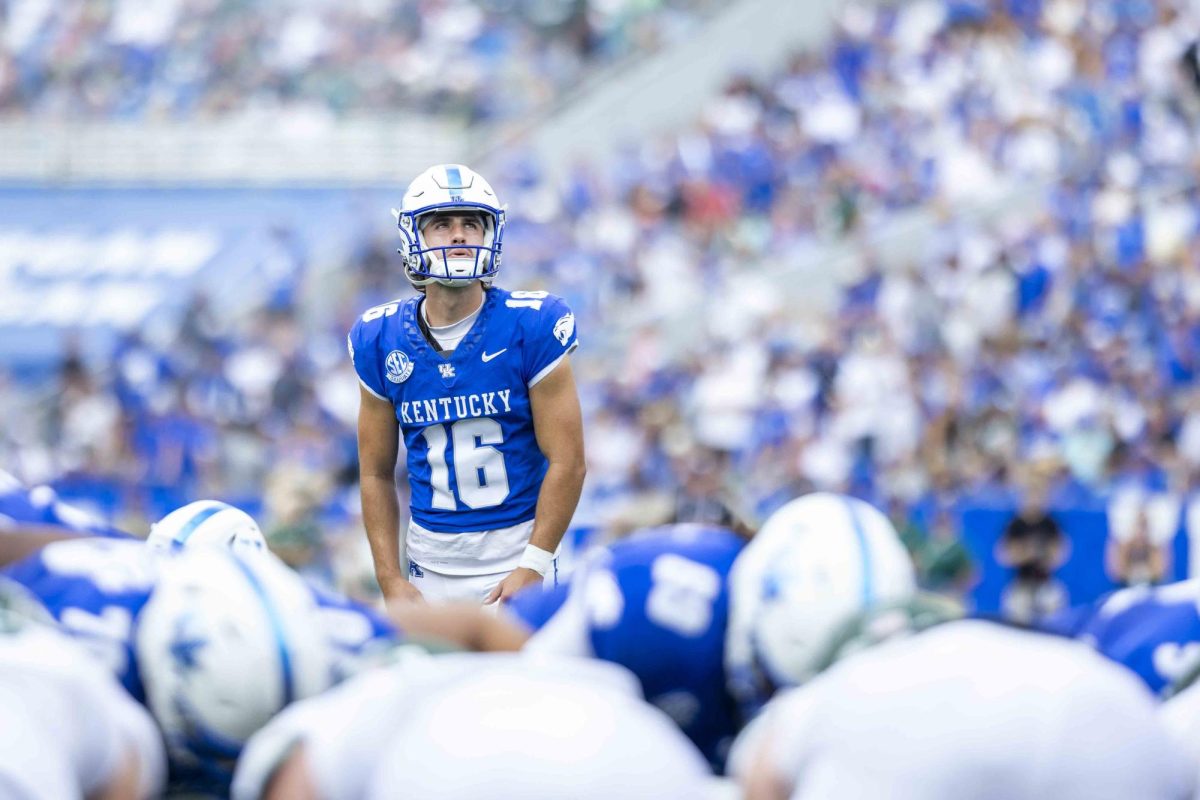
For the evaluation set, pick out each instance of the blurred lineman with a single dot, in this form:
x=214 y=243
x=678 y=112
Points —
x=710 y=625
x=478 y=381
x=213 y=643
x=522 y=726
x=968 y=710
x=69 y=729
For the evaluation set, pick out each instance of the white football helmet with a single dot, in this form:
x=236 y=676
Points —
x=207 y=522
x=816 y=562
x=223 y=644
x=449 y=187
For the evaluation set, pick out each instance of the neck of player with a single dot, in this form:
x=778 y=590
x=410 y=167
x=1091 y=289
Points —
x=446 y=305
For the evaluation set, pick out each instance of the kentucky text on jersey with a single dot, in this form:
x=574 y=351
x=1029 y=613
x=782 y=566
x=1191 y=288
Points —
x=455 y=407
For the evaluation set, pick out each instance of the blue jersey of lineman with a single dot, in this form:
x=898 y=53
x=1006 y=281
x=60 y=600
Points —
x=473 y=461
x=1154 y=631
x=658 y=604
x=41 y=506
x=96 y=588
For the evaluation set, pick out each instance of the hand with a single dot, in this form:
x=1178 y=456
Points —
x=516 y=580
x=399 y=591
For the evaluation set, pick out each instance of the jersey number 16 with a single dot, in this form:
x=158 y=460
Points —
x=479 y=472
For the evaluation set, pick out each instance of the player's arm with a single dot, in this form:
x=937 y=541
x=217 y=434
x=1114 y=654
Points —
x=558 y=426
x=25 y=540
x=378 y=446
x=293 y=779
x=463 y=624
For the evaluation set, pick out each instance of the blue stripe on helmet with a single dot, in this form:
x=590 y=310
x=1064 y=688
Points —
x=454 y=183
x=864 y=550
x=285 y=657
x=196 y=521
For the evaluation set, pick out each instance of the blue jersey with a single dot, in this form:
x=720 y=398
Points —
x=96 y=588
x=658 y=604
x=41 y=506
x=473 y=461
x=1154 y=631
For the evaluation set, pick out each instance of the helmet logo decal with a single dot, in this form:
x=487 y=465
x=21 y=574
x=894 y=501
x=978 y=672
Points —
x=398 y=365
x=185 y=645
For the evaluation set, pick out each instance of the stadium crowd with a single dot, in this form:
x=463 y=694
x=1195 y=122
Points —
x=204 y=59
x=1053 y=342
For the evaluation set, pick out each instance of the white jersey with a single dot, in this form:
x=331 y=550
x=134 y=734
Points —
x=538 y=735
x=68 y=727
x=967 y=710
x=345 y=730
x=1181 y=715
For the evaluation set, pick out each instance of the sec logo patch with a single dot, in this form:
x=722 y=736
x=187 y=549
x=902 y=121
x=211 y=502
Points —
x=399 y=366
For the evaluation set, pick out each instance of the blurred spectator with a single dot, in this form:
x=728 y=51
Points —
x=1141 y=529
x=942 y=562
x=1033 y=545
x=308 y=62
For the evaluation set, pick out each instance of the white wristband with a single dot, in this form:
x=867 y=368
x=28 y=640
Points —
x=536 y=559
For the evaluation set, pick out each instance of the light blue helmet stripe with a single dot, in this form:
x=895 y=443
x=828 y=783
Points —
x=455 y=183
x=864 y=550
x=196 y=521
x=273 y=617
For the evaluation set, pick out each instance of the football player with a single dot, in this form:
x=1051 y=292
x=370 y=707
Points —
x=471 y=726
x=478 y=382
x=1152 y=630
x=914 y=703
x=68 y=729
x=711 y=626
x=212 y=642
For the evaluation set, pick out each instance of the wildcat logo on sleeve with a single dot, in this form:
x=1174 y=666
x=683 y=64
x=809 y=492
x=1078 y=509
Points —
x=399 y=366
x=564 y=328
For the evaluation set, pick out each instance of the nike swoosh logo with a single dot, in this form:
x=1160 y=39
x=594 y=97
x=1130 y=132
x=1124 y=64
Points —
x=489 y=356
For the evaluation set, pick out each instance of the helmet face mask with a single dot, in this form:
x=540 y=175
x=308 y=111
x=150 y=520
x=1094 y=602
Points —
x=441 y=189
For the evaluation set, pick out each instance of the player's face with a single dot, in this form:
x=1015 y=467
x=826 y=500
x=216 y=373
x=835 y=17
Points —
x=446 y=230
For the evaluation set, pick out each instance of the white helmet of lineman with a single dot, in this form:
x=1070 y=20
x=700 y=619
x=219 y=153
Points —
x=207 y=522
x=816 y=562
x=223 y=644
x=449 y=187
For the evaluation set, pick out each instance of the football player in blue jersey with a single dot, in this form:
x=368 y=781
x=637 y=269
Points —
x=39 y=509
x=478 y=382
x=1152 y=630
